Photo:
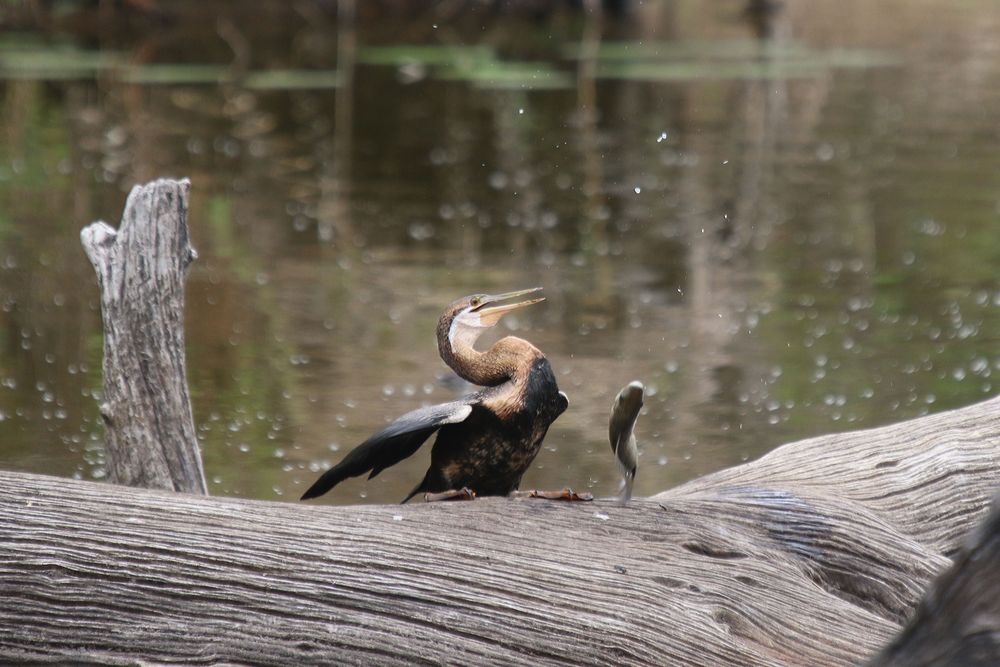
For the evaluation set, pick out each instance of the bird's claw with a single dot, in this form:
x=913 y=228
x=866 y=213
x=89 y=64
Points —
x=564 y=494
x=465 y=493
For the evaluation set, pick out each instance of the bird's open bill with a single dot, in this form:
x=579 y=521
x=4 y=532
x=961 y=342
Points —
x=491 y=307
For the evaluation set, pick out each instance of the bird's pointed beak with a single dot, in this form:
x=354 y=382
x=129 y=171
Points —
x=494 y=306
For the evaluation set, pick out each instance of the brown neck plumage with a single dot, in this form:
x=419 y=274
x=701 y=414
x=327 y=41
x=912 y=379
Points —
x=507 y=358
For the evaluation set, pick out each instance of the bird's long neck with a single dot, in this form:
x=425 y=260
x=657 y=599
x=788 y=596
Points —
x=502 y=362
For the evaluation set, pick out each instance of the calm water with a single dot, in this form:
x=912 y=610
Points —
x=783 y=230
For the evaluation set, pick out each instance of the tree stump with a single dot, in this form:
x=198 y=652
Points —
x=151 y=440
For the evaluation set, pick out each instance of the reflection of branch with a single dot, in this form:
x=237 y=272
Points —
x=334 y=206
x=346 y=49
x=720 y=237
x=764 y=112
x=593 y=226
x=41 y=17
x=586 y=87
x=232 y=36
x=761 y=15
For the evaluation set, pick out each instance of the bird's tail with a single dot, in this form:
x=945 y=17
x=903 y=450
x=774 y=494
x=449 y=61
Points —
x=417 y=489
x=327 y=481
x=423 y=487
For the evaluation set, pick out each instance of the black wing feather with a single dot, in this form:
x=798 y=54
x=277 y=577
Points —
x=397 y=441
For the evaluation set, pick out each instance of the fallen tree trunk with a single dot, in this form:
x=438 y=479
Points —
x=815 y=554
x=958 y=620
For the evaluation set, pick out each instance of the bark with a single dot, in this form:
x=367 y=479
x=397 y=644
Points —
x=151 y=439
x=958 y=620
x=815 y=555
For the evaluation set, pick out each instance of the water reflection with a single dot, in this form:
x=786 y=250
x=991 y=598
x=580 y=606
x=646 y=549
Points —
x=779 y=238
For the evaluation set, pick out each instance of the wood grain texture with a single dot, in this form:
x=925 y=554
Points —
x=931 y=478
x=141 y=268
x=958 y=620
x=814 y=555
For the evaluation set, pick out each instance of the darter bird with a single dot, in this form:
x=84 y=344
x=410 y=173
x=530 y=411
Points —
x=486 y=440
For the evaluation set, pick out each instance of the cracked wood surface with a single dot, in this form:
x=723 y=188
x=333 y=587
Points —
x=150 y=434
x=815 y=554
x=958 y=619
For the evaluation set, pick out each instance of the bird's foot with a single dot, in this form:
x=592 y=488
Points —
x=465 y=493
x=564 y=494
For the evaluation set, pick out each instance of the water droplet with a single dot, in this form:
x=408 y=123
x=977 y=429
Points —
x=498 y=180
x=825 y=152
x=980 y=365
x=421 y=231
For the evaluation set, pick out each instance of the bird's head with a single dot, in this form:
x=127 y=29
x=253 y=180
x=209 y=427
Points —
x=466 y=319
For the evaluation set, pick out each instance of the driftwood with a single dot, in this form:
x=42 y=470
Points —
x=958 y=620
x=151 y=440
x=813 y=555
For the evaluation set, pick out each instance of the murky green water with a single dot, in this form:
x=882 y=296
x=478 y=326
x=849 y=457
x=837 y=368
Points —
x=781 y=238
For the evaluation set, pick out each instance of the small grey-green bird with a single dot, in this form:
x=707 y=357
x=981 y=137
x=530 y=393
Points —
x=624 y=413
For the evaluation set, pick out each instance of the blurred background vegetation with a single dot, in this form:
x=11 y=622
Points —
x=783 y=217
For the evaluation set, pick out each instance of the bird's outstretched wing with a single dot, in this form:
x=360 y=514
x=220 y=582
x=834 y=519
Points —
x=398 y=440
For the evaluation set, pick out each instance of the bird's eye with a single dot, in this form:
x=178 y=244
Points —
x=476 y=301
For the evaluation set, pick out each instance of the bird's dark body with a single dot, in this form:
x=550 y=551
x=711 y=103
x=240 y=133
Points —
x=489 y=454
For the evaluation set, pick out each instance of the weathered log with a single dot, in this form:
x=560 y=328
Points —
x=958 y=620
x=151 y=440
x=815 y=554
x=932 y=477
